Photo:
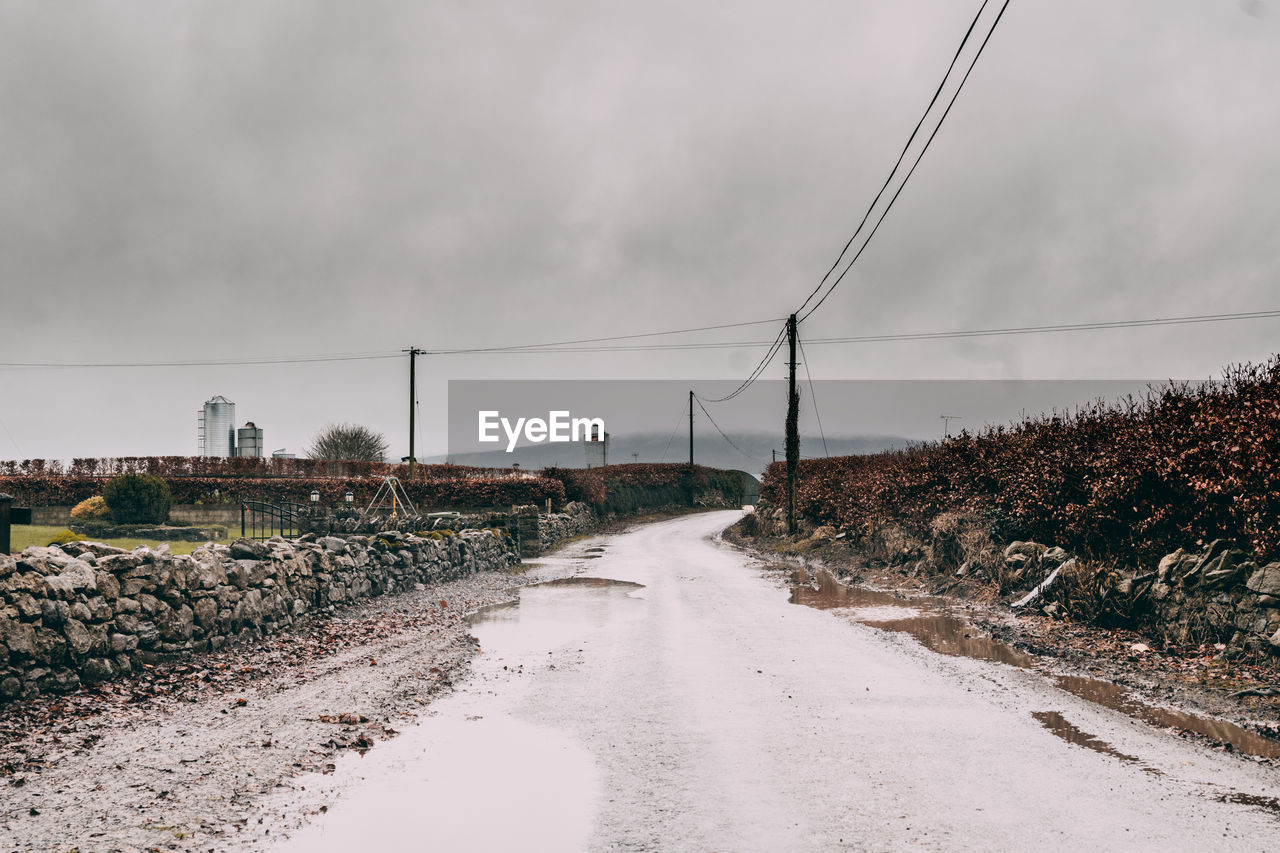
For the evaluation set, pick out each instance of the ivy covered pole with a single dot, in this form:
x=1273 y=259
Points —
x=793 y=427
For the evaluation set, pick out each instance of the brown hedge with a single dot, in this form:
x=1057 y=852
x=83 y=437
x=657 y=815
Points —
x=636 y=486
x=237 y=467
x=1129 y=481
x=46 y=490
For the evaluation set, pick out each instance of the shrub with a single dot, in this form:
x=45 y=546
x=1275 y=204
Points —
x=63 y=536
x=137 y=499
x=625 y=489
x=90 y=509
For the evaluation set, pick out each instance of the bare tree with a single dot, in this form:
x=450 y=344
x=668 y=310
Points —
x=348 y=442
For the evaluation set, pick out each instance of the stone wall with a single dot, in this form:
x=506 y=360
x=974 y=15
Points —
x=1218 y=595
x=534 y=530
x=537 y=532
x=577 y=519
x=86 y=612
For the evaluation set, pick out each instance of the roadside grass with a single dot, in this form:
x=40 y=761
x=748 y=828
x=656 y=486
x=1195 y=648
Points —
x=25 y=535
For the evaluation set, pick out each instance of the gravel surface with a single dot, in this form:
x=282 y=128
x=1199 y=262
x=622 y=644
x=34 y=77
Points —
x=181 y=757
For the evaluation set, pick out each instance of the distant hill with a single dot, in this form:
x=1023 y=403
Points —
x=713 y=451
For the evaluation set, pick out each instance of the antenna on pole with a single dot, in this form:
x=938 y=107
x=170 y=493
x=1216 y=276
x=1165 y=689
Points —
x=946 y=423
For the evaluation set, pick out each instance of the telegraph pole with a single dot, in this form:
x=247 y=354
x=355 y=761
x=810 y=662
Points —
x=793 y=427
x=690 y=429
x=413 y=400
x=691 y=486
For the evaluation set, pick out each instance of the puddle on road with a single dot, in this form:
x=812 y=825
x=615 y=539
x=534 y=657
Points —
x=460 y=781
x=952 y=635
x=472 y=775
x=1118 y=698
x=941 y=632
x=1269 y=804
x=1056 y=723
x=550 y=613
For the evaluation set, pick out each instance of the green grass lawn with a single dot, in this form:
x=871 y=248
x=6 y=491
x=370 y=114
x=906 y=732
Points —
x=24 y=535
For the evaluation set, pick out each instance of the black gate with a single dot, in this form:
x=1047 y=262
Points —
x=264 y=519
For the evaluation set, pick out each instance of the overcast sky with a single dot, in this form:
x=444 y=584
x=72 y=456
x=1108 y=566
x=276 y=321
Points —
x=209 y=180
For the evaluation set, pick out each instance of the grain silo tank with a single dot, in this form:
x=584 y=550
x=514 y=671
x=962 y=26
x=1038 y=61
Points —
x=217 y=428
x=249 y=441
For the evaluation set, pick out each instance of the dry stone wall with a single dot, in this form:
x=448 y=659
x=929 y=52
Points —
x=1218 y=595
x=86 y=612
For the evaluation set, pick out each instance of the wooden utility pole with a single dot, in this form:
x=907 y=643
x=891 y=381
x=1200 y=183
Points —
x=413 y=401
x=691 y=485
x=793 y=427
x=690 y=429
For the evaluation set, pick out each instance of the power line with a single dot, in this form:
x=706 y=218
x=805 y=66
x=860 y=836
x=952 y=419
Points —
x=679 y=420
x=225 y=362
x=722 y=434
x=534 y=347
x=813 y=396
x=905 y=148
x=941 y=335
x=552 y=346
x=1058 y=327
x=912 y=171
x=773 y=345
x=760 y=368
x=773 y=350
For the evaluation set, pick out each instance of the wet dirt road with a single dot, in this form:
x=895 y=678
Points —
x=692 y=707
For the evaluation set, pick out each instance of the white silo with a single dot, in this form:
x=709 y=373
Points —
x=217 y=428
x=249 y=441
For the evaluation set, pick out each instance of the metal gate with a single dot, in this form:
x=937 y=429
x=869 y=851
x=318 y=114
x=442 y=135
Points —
x=264 y=519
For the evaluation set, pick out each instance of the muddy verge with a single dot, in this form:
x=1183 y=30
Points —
x=178 y=756
x=1143 y=676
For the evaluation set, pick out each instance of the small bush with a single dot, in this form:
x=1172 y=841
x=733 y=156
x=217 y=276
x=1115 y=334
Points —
x=90 y=509
x=137 y=499
x=63 y=536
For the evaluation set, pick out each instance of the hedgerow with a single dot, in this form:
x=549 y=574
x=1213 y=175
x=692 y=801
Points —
x=623 y=489
x=46 y=490
x=619 y=489
x=1127 y=481
x=168 y=467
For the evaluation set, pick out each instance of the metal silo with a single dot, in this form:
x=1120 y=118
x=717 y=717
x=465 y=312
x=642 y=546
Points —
x=218 y=428
x=249 y=441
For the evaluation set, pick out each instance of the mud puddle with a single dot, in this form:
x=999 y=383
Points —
x=1118 y=698
x=922 y=618
x=1058 y=725
x=1267 y=804
x=548 y=614
x=947 y=634
x=475 y=754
